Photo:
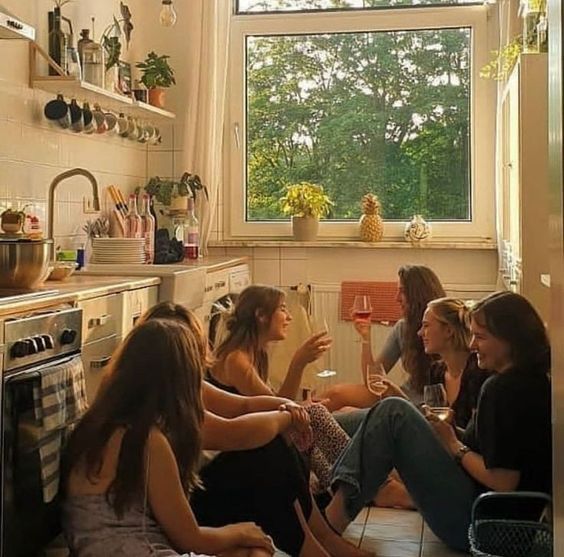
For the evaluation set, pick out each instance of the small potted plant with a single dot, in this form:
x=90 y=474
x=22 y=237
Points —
x=156 y=74
x=306 y=203
x=174 y=193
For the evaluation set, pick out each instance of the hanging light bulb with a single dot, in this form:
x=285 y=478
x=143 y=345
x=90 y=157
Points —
x=167 y=17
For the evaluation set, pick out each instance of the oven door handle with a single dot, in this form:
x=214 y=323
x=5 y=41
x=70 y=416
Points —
x=35 y=371
x=99 y=364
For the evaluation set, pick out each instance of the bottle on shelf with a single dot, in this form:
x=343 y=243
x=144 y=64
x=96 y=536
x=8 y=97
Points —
x=148 y=229
x=58 y=40
x=92 y=58
x=133 y=221
x=192 y=233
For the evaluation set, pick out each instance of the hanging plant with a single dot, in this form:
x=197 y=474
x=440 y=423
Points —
x=504 y=60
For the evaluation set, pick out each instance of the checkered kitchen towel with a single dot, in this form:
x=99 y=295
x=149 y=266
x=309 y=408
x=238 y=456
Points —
x=59 y=401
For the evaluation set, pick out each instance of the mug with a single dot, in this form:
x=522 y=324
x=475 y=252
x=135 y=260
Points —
x=122 y=125
x=88 y=119
x=99 y=119
x=77 y=123
x=132 y=129
x=57 y=110
x=156 y=137
x=111 y=121
x=141 y=95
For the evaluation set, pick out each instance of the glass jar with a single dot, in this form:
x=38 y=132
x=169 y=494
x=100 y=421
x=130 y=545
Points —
x=93 y=63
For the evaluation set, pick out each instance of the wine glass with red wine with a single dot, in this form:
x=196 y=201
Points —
x=361 y=308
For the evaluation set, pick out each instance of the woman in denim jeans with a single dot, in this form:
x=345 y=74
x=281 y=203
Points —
x=506 y=446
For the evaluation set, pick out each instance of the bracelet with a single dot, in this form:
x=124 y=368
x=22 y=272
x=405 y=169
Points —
x=461 y=451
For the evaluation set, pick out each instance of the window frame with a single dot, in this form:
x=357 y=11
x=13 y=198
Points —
x=482 y=111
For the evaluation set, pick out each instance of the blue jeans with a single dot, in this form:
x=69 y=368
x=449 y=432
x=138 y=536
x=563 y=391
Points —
x=394 y=434
x=350 y=421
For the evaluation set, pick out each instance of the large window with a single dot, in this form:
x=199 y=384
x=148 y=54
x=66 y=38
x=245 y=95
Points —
x=380 y=101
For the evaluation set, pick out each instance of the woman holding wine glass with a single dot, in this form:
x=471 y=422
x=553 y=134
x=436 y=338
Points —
x=506 y=445
x=417 y=286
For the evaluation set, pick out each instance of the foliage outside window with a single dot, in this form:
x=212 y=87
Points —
x=385 y=110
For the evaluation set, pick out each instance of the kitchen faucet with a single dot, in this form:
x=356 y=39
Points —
x=56 y=181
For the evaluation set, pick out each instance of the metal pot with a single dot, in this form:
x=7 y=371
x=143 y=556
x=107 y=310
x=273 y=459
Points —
x=24 y=264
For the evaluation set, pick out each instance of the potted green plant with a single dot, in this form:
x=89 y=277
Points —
x=156 y=74
x=174 y=193
x=306 y=203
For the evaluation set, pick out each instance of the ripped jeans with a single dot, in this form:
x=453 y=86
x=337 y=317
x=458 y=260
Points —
x=394 y=434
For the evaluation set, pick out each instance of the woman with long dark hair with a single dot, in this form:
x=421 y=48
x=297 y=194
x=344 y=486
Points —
x=257 y=475
x=133 y=458
x=506 y=446
x=417 y=286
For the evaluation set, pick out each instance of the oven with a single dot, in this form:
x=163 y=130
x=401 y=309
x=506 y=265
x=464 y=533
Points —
x=41 y=355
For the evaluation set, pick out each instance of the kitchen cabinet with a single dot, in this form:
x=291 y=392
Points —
x=106 y=321
x=523 y=174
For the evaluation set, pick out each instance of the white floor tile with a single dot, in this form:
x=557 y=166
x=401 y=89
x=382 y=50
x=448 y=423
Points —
x=386 y=548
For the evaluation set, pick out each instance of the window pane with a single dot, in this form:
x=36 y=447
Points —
x=382 y=112
x=246 y=6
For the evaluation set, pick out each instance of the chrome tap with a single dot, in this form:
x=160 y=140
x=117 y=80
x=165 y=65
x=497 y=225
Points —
x=56 y=181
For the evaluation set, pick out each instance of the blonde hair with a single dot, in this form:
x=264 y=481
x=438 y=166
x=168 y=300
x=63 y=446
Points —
x=454 y=313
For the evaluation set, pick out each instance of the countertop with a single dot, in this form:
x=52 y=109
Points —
x=77 y=288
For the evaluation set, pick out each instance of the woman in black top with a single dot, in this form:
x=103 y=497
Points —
x=506 y=446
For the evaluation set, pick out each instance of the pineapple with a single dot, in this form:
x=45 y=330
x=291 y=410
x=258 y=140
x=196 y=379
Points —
x=371 y=224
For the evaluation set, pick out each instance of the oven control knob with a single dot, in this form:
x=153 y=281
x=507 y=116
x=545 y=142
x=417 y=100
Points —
x=68 y=336
x=48 y=342
x=19 y=349
x=32 y=346
x=40 y=343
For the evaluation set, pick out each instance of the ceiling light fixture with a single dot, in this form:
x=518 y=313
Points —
x=167 y=17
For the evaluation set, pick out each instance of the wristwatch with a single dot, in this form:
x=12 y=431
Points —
x=459 y=454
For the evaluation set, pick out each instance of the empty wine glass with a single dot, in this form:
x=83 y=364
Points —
x=435 y=397
x=375 y=374
x=361 y=308
x=319 y=325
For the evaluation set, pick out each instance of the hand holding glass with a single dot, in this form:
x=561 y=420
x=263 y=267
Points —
x=320 y=326
x=375 y=374
x=435 y=397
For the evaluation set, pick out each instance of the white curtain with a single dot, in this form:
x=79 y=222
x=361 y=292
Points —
x=203 y=140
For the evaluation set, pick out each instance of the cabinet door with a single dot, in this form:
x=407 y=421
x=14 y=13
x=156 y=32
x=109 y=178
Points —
x=95 y=357
x=101 y=317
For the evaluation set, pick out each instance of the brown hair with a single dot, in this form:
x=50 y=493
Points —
x=243 y=324
x=420 y=285
x=454 y=313
x=512 y=318
x=155 y=379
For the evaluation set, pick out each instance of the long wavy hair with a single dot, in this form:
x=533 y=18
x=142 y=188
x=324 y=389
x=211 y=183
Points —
x=154 y=379
x=512 y=318
x=454 y=313
x=420 y=285
x=244 y=327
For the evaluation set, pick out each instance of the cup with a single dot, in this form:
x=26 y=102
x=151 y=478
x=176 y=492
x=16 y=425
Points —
x=141 y=95
x=132 y=129
x=57 y=110
x=77 y=123
x=122 y=125
x=111 y=121
x=156 y=137
x=88 y=119
x=99 y=119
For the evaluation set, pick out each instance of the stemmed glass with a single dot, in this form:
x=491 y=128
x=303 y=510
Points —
x=375 y=374
x=361 y=308
x=435 y=397
x=319 y=326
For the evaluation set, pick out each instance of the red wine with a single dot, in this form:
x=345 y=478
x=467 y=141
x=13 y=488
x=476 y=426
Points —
x=362 y=314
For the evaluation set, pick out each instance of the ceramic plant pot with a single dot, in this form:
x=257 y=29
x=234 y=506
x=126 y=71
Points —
x=305 y=228
x=157 y=97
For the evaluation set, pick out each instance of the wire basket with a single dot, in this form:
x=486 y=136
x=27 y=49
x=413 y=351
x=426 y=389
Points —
x=502 y=537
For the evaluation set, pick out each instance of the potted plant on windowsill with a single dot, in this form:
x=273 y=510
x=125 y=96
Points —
x=306 y=203
x=156 y=75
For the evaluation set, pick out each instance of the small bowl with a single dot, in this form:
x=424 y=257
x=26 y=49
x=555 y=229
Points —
x=62 y=270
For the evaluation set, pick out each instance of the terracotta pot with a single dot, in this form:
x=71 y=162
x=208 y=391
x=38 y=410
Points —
x=157 y=97
x=305 y=228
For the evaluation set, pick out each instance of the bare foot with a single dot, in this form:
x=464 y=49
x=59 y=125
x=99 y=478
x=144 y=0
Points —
x=394 y=494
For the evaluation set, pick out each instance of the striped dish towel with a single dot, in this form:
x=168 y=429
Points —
x=382 y=296
x=59 y=401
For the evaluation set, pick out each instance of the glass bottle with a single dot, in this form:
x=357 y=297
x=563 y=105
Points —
x=93 y=61
x=192 y=233
x=73 y=61
x=133 y=221
x=148 y=230
x=58 y=40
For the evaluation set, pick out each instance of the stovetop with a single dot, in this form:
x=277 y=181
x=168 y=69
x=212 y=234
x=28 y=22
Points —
x=8 y=296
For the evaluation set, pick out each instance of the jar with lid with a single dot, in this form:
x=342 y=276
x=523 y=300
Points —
x=92 y=58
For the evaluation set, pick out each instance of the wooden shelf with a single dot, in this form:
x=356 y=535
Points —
x=71 y=87
x=82 y=90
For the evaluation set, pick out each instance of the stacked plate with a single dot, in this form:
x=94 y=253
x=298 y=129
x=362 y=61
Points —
x=118 y=250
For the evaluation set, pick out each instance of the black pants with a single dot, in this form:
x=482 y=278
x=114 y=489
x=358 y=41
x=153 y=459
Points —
x=259 y=485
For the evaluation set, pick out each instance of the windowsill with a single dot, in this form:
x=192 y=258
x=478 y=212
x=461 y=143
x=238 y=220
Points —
x=328 y=243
